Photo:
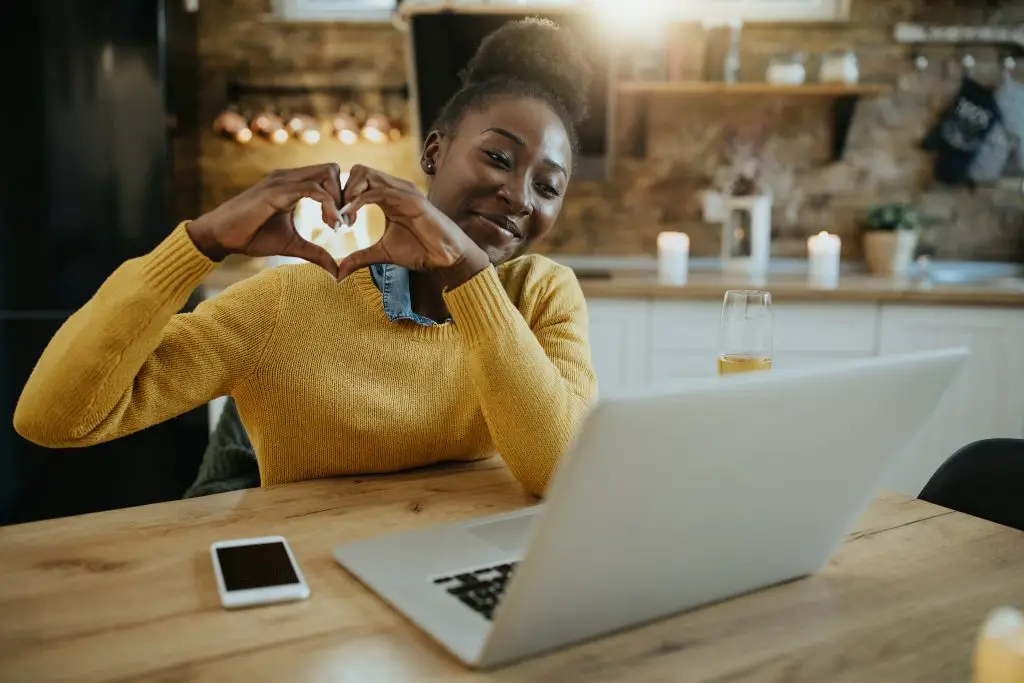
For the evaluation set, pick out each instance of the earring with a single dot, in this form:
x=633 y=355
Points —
x=430 y=167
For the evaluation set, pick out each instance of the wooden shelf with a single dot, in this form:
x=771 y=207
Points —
x=844 y=98
x=706 y=88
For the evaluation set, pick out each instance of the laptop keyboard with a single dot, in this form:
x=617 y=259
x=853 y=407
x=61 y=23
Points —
x=480 y=589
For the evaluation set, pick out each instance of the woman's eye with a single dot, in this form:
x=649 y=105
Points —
x=499 y=158
x=548 y=190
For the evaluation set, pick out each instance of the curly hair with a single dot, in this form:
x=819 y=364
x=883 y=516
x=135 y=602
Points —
x=525 y=58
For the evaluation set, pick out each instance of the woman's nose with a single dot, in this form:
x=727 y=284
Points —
x=516 y=196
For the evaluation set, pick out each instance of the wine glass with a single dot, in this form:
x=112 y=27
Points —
x=745 y=332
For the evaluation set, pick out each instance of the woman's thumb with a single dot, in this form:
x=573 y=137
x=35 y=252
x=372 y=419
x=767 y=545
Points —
x=361 y=258
x=314 y=253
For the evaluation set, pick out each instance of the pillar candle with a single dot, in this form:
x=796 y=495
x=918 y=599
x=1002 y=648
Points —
x=673 y=257
x=823 y=260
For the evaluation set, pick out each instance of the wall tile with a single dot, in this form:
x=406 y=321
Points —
x=689 y=140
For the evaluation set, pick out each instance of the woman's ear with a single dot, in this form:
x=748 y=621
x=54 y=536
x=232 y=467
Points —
x=431 y=154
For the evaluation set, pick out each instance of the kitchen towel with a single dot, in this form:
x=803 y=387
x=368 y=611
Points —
x=1005 y=137
x=960 y=130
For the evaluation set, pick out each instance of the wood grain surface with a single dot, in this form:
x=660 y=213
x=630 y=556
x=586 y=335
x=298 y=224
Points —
x=129 y=595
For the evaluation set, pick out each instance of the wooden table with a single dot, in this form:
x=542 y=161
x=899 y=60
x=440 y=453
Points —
x=129 y=595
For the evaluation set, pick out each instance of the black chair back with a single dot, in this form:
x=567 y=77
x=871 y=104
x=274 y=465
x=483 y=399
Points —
x=984 y=479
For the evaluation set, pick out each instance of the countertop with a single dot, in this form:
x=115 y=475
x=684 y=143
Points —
x=635 y=278
x=790 y=288
x=129 y=595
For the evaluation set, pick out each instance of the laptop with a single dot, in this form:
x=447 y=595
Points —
x=668 y=499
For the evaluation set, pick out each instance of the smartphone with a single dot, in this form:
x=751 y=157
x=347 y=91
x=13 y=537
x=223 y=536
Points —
x=257 y=571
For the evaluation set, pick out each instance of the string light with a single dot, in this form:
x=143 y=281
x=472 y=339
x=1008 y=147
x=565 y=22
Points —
x=305 y=128
x=270 y=125
x=377 y=129
x=346 y=128
x=230 y=123
x=350 y=124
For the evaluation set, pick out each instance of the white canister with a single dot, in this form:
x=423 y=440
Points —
x=673 y=258
x=787 y=70
x=839 y=67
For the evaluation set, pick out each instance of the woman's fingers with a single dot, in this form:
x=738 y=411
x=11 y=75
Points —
x=382 y=197
x=363 y=178
x=312 y=253
x=362 y=258
x=332 y=183
x=327 y=176
x=358 y=182
x=291 y=193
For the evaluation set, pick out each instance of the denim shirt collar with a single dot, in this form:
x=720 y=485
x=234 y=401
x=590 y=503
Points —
x=393 y=283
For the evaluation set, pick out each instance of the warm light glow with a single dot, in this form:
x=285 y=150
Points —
x=310 y=136
x=823 y=253
x=233 y=125
x=346 y=128
x=633 y=15
x=374 y=135
x=674 y=240
x=823 y=241
x=377 y=129
x=279 y=136
x=267 y=123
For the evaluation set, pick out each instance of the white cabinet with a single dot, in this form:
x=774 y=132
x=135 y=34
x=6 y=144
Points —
x=684 y=336
x=987 y=398
x=638 y=342
x=618 y=341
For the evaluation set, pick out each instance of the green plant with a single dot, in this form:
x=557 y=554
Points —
x=891 y=217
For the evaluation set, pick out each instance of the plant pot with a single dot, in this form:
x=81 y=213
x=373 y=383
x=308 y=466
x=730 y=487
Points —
x=889 y=252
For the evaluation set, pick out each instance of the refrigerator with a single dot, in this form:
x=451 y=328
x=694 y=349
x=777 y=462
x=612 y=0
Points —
x=87 y=133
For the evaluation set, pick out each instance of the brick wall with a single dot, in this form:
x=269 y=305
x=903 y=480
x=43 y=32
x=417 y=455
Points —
x=688 y=139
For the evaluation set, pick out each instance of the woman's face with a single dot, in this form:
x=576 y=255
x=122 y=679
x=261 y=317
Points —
x=502 y=174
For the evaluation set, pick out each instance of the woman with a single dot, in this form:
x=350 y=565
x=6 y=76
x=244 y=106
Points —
x=435 y=343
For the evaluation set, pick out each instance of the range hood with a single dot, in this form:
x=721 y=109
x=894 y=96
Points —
x=334 y=10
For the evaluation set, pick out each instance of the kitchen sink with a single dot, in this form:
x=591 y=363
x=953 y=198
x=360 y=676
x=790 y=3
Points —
x=968 y=273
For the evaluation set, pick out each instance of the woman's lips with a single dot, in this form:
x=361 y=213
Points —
x=499 y=224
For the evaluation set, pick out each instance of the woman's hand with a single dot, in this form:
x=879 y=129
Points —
x=258 y=222
x=416 y=234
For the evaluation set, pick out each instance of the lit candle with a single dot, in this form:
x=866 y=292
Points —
x=999 y=649
x=823 y=260
x=673 y=257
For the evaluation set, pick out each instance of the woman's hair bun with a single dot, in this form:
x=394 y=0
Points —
x=537 y=52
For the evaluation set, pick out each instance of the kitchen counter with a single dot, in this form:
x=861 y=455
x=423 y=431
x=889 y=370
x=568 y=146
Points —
x=1007 y=292
x=638 y=281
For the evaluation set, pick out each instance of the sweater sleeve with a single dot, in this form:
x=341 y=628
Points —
x=128 y=360
x=534 y=385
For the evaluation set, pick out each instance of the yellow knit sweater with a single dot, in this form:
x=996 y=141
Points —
x=324 y=383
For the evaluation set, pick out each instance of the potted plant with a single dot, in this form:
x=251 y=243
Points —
x=890 y=238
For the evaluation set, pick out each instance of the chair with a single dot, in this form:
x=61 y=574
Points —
x=229 y=462
x=984 y=479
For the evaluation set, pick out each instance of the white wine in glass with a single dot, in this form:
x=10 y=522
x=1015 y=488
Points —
x=745 y=332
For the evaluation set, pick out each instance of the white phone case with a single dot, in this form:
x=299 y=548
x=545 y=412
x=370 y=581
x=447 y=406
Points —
x=258 y=596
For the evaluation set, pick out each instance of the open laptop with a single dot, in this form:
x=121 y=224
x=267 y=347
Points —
x=669 y=499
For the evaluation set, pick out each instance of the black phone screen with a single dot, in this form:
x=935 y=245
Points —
x=262 y=565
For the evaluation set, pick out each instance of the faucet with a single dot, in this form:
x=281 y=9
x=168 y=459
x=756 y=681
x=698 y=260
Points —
x=731 y=68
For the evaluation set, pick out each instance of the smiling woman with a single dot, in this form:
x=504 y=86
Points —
x=441 y=341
